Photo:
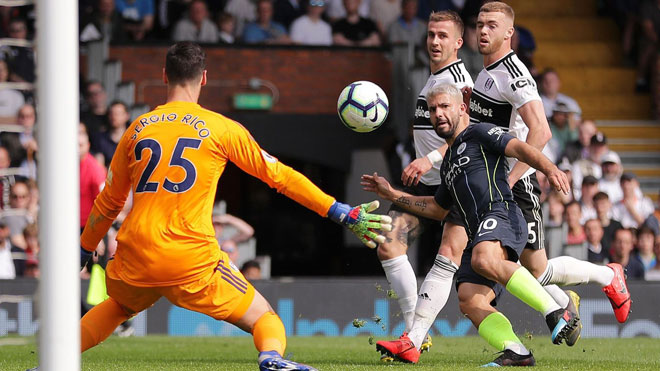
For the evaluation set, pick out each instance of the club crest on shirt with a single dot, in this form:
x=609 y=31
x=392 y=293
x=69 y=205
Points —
x=461 y=148
x=489 y=84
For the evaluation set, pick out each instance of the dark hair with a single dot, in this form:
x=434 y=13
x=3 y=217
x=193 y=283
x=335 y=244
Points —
x=250 y=264
x=185 y=61
x=116 y=102
x=601 y=196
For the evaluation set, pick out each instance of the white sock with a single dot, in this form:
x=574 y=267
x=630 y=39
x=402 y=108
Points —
x=568 y=271
x=433 y=295
x=403 y=281
x=558 y=294
x=517 y=348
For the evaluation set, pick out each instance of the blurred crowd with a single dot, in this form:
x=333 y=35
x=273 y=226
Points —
x=605 y=218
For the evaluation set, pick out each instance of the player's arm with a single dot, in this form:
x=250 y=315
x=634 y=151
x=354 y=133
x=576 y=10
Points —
x=539 y=134
x=244 y=151
x=532 y=156
x=110 y=200
x=414 y=171
x=425 y=206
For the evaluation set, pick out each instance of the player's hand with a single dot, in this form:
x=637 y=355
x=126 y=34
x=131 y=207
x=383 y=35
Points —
x=361 y=222
x=378 y=185
x=559 y=180
x=414 y=171
x=467 y=92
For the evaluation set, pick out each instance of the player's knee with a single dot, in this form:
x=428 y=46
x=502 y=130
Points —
x=390 y=250
x=467 y=301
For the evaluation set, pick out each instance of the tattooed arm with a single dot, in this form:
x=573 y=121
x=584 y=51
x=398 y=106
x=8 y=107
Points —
x=425 y=206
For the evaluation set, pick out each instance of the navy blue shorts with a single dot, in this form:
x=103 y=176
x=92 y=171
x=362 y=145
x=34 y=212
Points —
x=499 y=224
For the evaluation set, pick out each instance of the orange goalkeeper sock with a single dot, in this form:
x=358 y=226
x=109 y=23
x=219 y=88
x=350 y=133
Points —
x=100 y=322
x=268 y=333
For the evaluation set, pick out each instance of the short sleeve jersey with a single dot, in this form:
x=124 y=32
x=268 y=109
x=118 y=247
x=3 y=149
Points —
x=474 y=173
x=500 y=89
x=355 y=32
x=426 y=139
x=171 y=158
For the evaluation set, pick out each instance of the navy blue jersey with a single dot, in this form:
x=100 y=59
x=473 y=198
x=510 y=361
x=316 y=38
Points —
x=474 y=173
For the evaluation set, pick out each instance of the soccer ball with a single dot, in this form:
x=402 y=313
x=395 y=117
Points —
x=362 y=106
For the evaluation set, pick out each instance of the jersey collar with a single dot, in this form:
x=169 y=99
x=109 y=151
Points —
x=496 y=63
x=458 y=61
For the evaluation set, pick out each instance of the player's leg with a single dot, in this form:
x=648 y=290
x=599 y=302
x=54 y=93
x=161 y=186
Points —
x=490 y=259
x=227 y=296
x=435 y=290
x=398 y=270
x=475 y=301
x=124 y=302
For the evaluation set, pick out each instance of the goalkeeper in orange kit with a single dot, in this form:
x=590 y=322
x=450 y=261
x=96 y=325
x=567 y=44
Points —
x=171 y=158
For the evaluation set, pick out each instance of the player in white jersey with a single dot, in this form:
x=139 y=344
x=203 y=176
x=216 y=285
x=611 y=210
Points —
x=505 y=94
x=444 y=38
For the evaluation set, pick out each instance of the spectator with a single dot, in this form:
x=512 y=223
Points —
x=408 y=28
x=354 y=30
x=106 y=143
x=588 y=191
x=95 y=113
x=621 y=253
x=523 y=45
x=469 y=53
x=263 y=30
x=385 y=12
x=645 y=242
x=286 y=11
x=595 y=251
x=654 y=273
x=197 y=26
x=6 y=181
x=230 y=247
x=337 y=10
x=243 y=11
x=634 y=207
x=226 y=28
x=555 y=210
x=103 y=23
x=575 y=234
x=579 y=149
x=228 y=227
x=33 y=206
x=310 y=29
x=251 y=270
x=550 y=95
x=591 y=164
x=564 y=131
x=10 y=100
x=610 y=182
x=604 y=213
x=10 y=268
x=17 y=217
x=31 y=236
x=92 y=176
x=649 y=42
x=18 y=144
x=20 y=60
x=137 y=17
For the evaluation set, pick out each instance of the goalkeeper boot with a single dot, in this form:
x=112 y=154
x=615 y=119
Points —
x=561 y=323
x=510 y=358
x=402 y=349
x=272 y=361
x=617 y=292
x=574 y=307
x=427 y=344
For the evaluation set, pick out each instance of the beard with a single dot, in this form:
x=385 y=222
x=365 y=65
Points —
x=452 y=122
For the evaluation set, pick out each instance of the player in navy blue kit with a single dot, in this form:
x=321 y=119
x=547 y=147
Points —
x=474 y=177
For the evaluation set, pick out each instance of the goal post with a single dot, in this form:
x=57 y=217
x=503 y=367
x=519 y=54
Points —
x=57 y=113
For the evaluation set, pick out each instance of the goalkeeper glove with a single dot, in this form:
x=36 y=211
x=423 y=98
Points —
x=84 y=257
x=359 y=220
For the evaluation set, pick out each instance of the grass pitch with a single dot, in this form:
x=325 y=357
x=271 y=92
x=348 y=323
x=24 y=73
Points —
x=215 y=353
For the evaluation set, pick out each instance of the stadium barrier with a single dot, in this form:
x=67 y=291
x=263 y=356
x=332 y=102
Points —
x=349 y=307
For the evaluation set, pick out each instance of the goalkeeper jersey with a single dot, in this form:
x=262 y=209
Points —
x=171 y=158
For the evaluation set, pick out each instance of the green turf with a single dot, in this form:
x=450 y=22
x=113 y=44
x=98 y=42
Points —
x=214 y=353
